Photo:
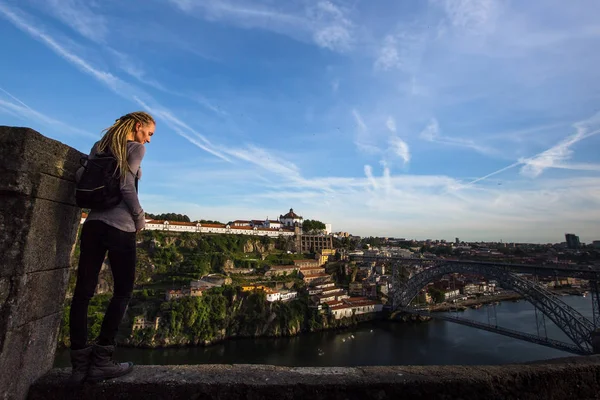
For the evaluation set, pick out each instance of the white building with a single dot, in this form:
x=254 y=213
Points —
x=291 y=219
x=355 y=306
x=273 y=296
x=173 y=226
x=280 y=296
x=450 y=294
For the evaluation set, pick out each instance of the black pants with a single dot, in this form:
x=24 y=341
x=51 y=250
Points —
x=96 y=239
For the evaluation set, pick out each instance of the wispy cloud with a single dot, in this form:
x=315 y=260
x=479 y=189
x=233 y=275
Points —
x=400 y=148
x=18 y=20
x=472 y=16
x=558 y=155
x=119 y=86
x=363 y=140
x=19 y=109
x=388 y=57
x=82 y=16
x=324 y=23
x=431 y=133
x=391 y=124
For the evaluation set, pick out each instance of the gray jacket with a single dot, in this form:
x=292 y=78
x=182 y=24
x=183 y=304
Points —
x=128 y=215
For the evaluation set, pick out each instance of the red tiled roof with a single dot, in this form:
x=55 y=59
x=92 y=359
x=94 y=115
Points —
x=306 y=260
x=291 y=214
x=316 y=275
x=340 y=307
x=282 y=267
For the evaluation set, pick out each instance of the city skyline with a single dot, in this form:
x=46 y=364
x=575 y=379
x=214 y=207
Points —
x=438 y=119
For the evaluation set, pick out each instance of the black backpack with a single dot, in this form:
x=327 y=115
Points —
x=100 y=185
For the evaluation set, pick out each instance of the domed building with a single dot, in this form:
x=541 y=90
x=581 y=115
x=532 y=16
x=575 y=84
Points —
x=291 y=219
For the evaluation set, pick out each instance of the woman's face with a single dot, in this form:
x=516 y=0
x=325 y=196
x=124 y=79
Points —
x=143 y=132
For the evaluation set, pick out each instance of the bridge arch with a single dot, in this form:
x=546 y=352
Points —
x=570 y=321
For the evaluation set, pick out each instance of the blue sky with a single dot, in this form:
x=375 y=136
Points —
x=476 y=119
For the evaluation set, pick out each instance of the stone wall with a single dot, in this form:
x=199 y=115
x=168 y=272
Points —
x=574 y=378
x=38 y=228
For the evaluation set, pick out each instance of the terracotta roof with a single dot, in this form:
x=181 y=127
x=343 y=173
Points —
x=316 y=275
x=291 y=214
x=283 y=267
x=213 y=225
x=182 y=223
x=306 y=260
x=336 y=293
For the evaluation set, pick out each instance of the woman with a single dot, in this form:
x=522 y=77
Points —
x=111 y=231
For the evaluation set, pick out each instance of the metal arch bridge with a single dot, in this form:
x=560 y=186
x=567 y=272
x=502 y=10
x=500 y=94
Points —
x=579 y=329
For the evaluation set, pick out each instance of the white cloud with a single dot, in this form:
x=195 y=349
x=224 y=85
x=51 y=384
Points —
x=391 y=124
x=81 y=16
x=400 y=148
x=431 y=131
x=324 y=23
x=369 y=174
x=556 y=156
x=105 y=77
x=388 y=57
x=473 y=16
x=359 y=121
x=332 y=29
x=21 y=110
x=119 y=86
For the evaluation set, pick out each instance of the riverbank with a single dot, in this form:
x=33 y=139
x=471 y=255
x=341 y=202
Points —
x=381 y=342
x=328 y=324
x=505 y=296
x=475 y=303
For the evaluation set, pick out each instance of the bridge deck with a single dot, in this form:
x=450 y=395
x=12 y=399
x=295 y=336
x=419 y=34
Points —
x=584 y=272
x=555 y=344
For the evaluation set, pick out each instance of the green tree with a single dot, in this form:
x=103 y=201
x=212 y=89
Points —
x=312 y=226
x=437 y=295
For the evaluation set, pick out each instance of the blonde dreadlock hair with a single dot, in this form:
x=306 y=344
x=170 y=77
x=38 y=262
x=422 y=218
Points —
x=115 y=137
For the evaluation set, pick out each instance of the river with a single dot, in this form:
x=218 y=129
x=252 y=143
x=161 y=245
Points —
x=378 y=343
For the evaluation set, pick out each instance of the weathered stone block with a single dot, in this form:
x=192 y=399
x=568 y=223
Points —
x=57 y=222
x=23 y=149
x=38 y=228
x=38 y=294
x=38 y=185
x=35 y=234
x=28 y=352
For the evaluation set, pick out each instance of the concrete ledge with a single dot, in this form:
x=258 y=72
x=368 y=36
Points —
x=573 y=378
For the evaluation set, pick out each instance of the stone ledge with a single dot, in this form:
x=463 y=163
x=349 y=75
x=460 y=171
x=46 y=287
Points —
x=575 y=378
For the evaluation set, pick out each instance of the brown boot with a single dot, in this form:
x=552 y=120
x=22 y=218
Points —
x=81 y=361
x=104 y=367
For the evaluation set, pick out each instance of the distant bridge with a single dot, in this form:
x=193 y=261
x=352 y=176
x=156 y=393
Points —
x=407 y=284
